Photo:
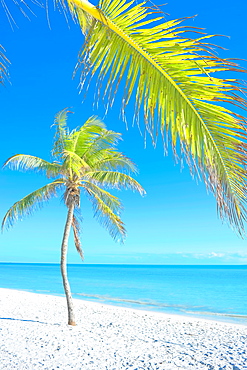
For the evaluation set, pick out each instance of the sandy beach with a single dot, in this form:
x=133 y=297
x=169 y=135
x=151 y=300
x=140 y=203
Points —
x=34 y=335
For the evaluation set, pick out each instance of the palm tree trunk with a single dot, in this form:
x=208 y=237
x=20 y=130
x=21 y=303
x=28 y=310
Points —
x=63 y=265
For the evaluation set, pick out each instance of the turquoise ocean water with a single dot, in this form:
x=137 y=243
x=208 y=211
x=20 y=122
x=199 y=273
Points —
x=213 y=292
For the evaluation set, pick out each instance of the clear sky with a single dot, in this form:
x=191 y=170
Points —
x=176 y=222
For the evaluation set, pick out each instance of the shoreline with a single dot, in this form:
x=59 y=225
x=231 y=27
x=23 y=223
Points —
x=34 y=335
x=208 y=316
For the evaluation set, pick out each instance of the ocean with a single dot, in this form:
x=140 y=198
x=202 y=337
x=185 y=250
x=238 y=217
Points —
x=212 y=292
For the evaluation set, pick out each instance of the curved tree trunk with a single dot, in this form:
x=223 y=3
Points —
x=63 y=265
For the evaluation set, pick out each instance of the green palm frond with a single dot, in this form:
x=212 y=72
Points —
x=174 y=81
x=115 y=179
x=106 y=140
x=28 y=162
x=113 y=160
x=31 y=202
x=110 y=200
x=73 y=164
x=106 y=216
x=79 y=140
x=83 y=17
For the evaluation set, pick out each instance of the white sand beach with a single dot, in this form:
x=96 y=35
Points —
x=34 y=335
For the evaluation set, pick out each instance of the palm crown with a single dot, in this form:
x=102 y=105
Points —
x=85 y=159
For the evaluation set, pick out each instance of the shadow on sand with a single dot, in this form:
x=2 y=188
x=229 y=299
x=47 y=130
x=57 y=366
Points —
x=40 y=322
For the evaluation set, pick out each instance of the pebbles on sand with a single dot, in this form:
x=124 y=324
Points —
x=34 y=335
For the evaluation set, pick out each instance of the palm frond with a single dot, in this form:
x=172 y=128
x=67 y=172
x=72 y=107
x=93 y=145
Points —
x=73 y=164
x=110 y=200
x=26 y=162
x=62 y=132
x=3 y=65
x=112 y=160
x=105 y=142
x=31 y=202
x=22 y=5
x=76 y=232
x=106 y=216
x=80 y=140
x=83 y=17
x=115 y=179
x=170 y=77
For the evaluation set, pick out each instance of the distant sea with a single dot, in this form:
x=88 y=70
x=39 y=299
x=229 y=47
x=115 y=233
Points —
x=212 y=292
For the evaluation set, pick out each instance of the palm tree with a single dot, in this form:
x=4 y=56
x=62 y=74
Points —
x=175 y=82
x=85 y=159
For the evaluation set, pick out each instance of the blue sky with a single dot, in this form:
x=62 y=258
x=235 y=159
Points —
x=176 y=222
